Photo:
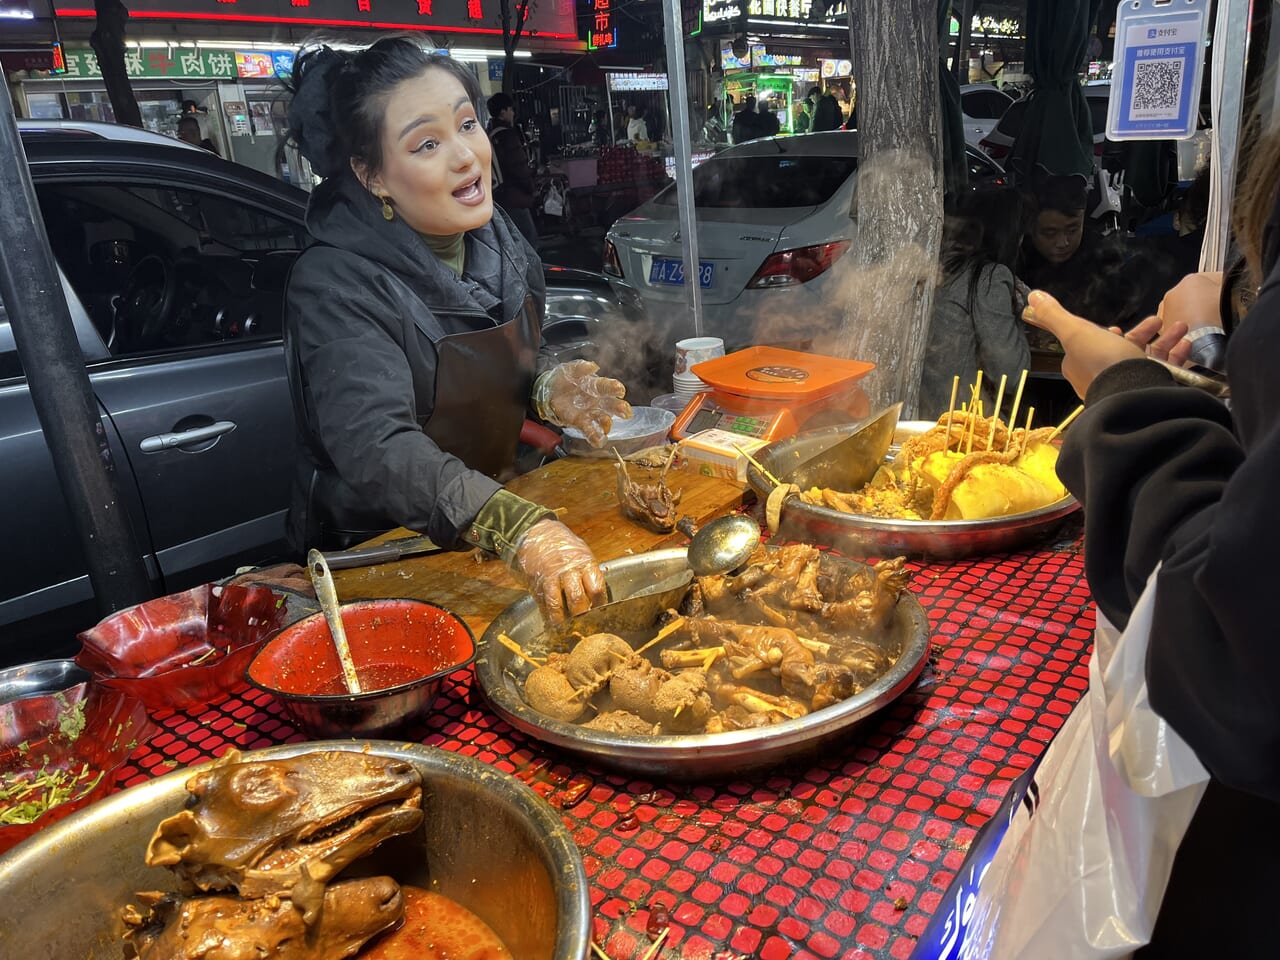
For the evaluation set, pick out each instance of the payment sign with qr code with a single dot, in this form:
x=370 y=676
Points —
x=1155 y=90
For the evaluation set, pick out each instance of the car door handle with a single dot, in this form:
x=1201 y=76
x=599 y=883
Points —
x=167 y=441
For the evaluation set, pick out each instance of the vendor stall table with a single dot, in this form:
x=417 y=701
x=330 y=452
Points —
x=843 y=856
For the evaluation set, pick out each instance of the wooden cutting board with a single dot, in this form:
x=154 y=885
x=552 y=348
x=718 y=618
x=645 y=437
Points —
x=478 y=589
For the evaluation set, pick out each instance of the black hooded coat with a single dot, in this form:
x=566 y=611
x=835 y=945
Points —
x=366 y=307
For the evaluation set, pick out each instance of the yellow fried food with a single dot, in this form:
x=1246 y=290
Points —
x=934 y=478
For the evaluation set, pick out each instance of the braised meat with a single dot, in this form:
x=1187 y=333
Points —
x=286 y=827
x=219 y=927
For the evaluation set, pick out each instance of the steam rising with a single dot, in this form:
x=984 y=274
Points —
x=879 y=310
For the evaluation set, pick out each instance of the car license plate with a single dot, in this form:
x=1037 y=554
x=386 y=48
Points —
x=671 y=271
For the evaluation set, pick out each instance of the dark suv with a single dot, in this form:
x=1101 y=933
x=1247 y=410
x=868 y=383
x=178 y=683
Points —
x=174 y=264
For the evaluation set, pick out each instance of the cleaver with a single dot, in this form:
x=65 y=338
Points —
x=852 y=461
x=638 y=611
x=384 y=552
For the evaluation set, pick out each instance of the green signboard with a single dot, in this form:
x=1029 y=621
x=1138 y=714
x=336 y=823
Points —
x=179 y=63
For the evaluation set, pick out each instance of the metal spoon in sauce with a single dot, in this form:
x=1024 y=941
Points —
x=327 y=594
x=722 y=545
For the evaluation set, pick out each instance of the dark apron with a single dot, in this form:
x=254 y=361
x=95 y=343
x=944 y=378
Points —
x=483 y=382
x=484 y=379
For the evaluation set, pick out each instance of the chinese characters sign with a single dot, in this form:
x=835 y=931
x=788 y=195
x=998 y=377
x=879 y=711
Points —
x=602 y=31
x=180 y=64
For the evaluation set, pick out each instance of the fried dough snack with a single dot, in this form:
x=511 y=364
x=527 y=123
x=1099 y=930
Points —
x=972 y=469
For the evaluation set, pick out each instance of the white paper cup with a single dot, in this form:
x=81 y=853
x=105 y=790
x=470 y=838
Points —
x=695 y=350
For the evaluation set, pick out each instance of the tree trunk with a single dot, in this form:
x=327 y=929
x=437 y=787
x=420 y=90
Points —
x=888 y=293
x=509 y=71
x=108 y=43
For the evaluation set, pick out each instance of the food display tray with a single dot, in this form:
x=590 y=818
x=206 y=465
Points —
x=501 y=674
x=864 y=536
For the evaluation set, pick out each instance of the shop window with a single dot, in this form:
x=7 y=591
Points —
x=160 y=269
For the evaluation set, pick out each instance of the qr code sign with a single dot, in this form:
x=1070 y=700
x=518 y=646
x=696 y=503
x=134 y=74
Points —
x=1157 y=89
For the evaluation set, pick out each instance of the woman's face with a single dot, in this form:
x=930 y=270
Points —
x=1056 y=235
x=437 y=161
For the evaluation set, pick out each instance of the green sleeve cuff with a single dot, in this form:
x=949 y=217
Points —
x=502 y=522
x=542 y=397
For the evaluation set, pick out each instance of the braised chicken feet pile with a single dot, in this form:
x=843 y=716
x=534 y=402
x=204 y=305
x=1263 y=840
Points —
x=785 y=636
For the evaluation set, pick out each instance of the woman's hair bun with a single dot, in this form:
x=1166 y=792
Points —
x=310 y=116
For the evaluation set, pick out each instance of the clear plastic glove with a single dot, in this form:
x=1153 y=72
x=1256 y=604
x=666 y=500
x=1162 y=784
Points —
x=571 y=395
x=560 y=570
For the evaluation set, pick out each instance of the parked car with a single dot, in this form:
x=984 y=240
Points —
x=174 y=263
x=773 y=218
x=999 y=140
x=982 y=104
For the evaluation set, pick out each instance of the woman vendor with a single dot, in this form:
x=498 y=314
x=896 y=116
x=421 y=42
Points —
x=413 y=326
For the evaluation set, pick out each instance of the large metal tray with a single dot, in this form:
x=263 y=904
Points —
x=488 y=842
x=501 y=675
x=879 y=537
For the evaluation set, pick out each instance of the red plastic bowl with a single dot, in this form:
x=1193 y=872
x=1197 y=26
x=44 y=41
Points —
x=402 y=651
x=86 y=724
x=185 y=649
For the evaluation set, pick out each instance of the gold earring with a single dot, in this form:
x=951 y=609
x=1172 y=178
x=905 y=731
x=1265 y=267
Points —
x=387 y=212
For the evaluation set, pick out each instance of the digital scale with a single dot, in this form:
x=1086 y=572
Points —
x=770 y=393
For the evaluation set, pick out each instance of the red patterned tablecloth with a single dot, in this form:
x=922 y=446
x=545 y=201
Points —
x=846 y=856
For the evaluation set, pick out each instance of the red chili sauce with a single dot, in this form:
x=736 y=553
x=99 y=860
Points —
x=372 y=676
x=436 y=928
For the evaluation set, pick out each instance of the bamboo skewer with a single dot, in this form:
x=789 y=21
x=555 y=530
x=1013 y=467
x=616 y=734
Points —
x=1031 y=413
x=973 y=423
x=995 y=416
x=665 y=632
x=955 y=386
x=518 y=650
x=1066 y=423
x=1013 y=414
x=598 y=952
x=759 y=466
x=657 y=945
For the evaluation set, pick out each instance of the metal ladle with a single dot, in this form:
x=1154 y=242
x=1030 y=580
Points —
x=722 y=545
x=327 y=594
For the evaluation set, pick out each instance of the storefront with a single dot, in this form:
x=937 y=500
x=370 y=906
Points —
x=223 y=63
x=772 y=51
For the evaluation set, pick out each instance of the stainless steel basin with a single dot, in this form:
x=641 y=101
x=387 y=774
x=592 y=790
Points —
x=488 y=842
x=699 y=756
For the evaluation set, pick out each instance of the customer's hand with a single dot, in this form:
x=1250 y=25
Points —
x=571 y=395
x=560 y=570
x=1088 y=348
x=1193 y=302
x=1160 y=340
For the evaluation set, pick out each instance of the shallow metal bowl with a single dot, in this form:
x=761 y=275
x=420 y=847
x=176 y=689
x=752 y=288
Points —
x=488 y=842
x=40 y=677
x=646 y=427
x=501 y=676
x=881 y=537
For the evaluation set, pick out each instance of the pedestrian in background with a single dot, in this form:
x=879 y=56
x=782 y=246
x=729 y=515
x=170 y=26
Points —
x=976 y=311
x=516 y=190
x=826 y=111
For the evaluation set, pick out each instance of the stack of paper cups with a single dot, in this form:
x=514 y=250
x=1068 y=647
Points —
x=695 y=350
x=685 y=382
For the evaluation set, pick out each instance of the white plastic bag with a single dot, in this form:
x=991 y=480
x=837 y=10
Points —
x=1090 y=836
x=553 y=205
